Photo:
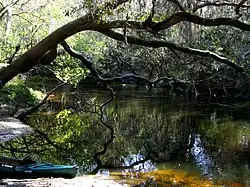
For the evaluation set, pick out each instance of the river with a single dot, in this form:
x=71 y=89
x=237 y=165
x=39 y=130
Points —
x=198 y=136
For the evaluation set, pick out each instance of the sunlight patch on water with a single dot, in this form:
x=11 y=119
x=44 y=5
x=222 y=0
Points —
x=203 y=161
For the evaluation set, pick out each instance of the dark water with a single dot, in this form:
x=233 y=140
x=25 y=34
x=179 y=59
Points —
x=195 y=136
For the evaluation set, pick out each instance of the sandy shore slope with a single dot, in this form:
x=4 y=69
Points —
x=84 y=181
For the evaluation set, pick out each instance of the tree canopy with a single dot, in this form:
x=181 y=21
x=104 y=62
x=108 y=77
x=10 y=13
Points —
x=154 y=24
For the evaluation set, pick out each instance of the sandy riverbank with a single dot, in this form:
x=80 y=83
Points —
x=86 y=181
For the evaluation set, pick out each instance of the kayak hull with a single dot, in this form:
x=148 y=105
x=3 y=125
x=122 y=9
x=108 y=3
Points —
x=38 y=171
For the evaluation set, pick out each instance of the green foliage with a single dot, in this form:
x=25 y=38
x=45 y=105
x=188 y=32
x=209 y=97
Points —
x=69 y=71
x=17 y=94
x=36 y=82
x=71 y=125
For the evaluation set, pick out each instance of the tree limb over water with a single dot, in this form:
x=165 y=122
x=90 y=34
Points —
x=171 y=45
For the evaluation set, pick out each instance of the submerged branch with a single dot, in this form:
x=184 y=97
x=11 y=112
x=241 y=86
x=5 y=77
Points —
x=23 y=115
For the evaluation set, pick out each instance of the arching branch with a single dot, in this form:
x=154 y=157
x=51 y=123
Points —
x=161 y=43
x=89 y=65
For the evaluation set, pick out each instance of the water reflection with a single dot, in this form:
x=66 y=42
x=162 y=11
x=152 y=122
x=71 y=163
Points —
x=202 y=160
x=193 y=136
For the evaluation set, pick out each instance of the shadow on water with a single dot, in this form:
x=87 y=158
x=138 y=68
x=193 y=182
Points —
x=194 y=137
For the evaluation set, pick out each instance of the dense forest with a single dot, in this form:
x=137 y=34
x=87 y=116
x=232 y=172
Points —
x=189 y=50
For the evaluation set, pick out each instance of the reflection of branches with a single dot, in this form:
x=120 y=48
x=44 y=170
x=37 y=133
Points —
x=22 y=117
x=97 y=155
x=22 y=149
x=52 y=143
x=27 y=150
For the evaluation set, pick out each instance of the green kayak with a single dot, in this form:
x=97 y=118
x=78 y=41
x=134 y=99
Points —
x=37 y=171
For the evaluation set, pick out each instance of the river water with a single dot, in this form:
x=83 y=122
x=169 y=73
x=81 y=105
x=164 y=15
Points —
x=196 y=136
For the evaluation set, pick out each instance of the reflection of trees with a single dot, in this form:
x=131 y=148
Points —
x=155 y=132
x=227 y=143
x=145 y=126
x=150 y=127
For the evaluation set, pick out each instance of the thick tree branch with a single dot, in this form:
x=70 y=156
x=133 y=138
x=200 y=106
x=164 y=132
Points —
x=85 y=62
x=185 y=16
x=160 y=43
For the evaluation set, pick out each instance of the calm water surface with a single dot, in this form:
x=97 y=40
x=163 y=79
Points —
x=197 y=136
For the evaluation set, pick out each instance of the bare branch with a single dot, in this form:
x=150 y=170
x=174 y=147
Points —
x=14 y=54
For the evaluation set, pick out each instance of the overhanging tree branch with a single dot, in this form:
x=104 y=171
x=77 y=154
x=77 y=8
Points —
x=161 y=43
x=89 y=65
x=29 y=58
